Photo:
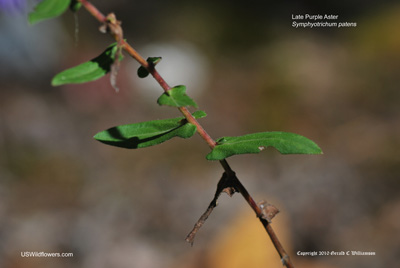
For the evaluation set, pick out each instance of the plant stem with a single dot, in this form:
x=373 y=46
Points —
x=231 y=176
x=133 y=53
x=275 y=240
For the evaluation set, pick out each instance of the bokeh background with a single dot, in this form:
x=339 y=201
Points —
x=251 y=71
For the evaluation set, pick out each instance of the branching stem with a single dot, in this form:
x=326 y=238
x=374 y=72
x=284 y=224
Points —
x=229 y=183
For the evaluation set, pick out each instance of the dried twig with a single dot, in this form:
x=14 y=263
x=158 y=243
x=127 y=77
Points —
x=224 y=185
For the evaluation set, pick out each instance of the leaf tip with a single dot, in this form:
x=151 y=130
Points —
x=55 y=82
x=154 y=60
x=199 y=114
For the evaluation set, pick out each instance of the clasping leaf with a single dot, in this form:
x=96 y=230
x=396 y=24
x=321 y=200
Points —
x=284 y=142
x=176 y=97
x=143 y=72
x=145 y=134
x=88 y=71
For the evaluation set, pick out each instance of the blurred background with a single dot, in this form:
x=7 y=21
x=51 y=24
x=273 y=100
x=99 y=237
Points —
x=251 y=71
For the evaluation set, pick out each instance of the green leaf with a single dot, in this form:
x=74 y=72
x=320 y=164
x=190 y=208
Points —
x=48 y=9
x=154 y=60
x=284 y=142
x=176 y=97
x=143 y=72
x=145 y=134
x=199 y=114
x=88 y=71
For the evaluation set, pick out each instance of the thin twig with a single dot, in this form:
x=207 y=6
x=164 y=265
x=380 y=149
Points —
x=229 y=181
x=224 y=185
x=265 y=222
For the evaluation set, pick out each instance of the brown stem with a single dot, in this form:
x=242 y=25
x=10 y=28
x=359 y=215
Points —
x=224 y=185
x=275 y=240
x=229 y=182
